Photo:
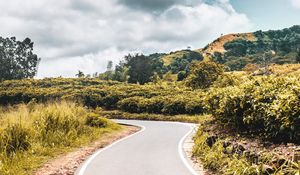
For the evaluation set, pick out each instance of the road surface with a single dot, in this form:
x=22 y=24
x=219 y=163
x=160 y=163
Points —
x=155 y=150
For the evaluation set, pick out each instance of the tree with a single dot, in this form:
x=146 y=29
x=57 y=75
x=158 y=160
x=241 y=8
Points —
x=108 y=75
x=181 y=75
x=17 y=60
x=203 y=74
x=80 y=74
x=298 y=57
x=218 y=57
x=109 y=66
x=140 y=68
x=121 y=72
x=155 y=78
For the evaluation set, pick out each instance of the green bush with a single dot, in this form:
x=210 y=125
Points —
x=174 y=106
x=267 y=106
x=203 y=74
x=95 y=120
x=131 y=104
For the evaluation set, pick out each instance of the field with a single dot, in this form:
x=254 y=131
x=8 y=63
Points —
x=264 y=108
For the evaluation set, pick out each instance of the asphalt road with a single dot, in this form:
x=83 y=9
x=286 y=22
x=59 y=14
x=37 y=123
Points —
x=155 y=150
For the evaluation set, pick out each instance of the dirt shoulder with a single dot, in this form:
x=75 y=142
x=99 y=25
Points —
x=67 y=164
x=188 y=150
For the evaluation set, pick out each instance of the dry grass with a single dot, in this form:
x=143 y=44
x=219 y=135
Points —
x=218 y=45
x=34 y=133
x=69 y=162
x=285 y=69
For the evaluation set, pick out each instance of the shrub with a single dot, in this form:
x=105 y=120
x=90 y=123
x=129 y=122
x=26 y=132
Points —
x=94 y=120
x=195 y=107
x=268 y=106
x=203 y=74
x=154 y=105
x=227 y=80
x=131 y=104
x=174 y=106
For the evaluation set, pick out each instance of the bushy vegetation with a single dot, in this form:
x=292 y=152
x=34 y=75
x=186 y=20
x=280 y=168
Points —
x=268 y=106
x=204 y=74
x=240 y=52
x=223 y=157
x=139 y=68
x=32 y=133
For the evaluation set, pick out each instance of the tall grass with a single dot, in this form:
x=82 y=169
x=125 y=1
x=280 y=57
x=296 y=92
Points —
x=216 y=159
x=30 y=134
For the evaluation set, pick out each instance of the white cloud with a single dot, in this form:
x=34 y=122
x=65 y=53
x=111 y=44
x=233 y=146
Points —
x=89 y=63
x=296 y=3
x=85 y=34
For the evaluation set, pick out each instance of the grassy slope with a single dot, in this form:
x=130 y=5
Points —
x=167 y=59
x=32 y=134
x=256 y=159
x=215 y=46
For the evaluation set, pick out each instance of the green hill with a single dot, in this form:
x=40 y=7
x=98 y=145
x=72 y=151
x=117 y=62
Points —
x=237 y=50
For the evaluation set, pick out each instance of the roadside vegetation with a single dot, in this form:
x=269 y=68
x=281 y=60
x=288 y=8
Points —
x=222 y=151
x=246 y=98
x=268 y=106
x=34 y=133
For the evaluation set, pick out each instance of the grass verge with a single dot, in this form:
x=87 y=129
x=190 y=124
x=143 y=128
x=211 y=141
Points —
x=146 y=116
x=32 y=134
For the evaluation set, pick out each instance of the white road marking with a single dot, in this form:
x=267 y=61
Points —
x=181 y=151
x=89 y=160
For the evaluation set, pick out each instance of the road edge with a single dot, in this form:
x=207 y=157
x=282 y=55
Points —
x=82 y=168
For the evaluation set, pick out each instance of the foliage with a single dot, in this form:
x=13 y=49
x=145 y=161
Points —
x=298 y=57
x=241 y=52
x=226 y=80
x=14 y=138
x=203 y=74
x=181 y=75
x=32 y=134
x=140 y=69
x=181 y=62
x=267 y=106
x=218 y=159
x=80 y=74
x=153 y=117
x=94 y=120
x=17 y=60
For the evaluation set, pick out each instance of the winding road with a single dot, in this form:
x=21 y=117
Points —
x=155 y=150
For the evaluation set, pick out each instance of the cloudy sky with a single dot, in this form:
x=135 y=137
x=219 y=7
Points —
x=72 y=35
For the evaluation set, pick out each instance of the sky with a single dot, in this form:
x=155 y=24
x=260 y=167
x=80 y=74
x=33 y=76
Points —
x=72 y=35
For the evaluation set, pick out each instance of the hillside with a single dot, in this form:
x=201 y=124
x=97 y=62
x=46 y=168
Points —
x=235 y=51
x=218 y=44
